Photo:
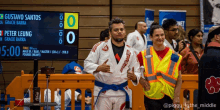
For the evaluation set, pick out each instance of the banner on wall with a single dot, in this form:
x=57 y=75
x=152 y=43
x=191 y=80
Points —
x=178 y=15
x=149 y=19
x=209 y=16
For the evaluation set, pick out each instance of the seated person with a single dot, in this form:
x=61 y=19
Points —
x=73 y=68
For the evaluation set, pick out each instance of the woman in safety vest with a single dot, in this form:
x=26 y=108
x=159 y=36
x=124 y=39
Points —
x=162 y=76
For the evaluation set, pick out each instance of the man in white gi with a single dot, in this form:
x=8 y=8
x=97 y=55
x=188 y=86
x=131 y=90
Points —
x=137 y=39
x=110 y=62
x=216 y=10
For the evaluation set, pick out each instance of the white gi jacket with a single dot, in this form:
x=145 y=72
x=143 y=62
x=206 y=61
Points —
x=99 y=54
x=136 y=41
x=167 y=44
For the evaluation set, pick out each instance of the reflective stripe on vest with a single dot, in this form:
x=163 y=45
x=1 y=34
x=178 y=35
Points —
x=169 y=80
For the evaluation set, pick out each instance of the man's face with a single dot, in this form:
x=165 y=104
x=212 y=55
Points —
x=118 y=32
x=142 y=27
x=172 y=33
x=217 y=38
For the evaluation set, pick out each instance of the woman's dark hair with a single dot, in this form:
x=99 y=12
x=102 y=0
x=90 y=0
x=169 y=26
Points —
x=214 y=30
x=104 y=34
x=153 y=27
x=192 y=33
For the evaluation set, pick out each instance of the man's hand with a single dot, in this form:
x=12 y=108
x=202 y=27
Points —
x=131 y=75
x=104 y=67
x=176 y=100
x=88 y=100
x=145 y=84
x=181 y=45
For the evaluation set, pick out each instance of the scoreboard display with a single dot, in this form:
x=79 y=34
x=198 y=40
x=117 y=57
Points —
x=42 y=35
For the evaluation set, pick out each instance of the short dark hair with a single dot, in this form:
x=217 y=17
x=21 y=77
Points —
x=103 y=34
x=193 y=32
x=153 y=27
x=137 y=24
x=115 y=21
x=169 y=22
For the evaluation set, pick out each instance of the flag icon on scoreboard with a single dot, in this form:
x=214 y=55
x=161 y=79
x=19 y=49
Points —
x=1 y=16
x=1 y=33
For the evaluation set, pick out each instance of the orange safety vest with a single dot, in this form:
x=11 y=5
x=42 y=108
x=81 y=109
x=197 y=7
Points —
x=161 y=74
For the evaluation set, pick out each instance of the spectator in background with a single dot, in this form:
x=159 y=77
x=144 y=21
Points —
x=181 y=33
x=193 y=53
x=182 y=37
x=75 y=68
x=137 y=39
x=191 y=56
x=104 y=35
x=171 y=33
x=71 y=68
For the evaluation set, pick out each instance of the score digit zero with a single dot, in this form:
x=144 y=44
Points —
x=72 y=23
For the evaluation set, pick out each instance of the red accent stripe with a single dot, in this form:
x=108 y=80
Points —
x=117 y=57
x=122 y=106
x=1 y=33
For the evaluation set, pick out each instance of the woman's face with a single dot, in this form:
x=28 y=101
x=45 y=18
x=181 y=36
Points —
x=197 y=39
x=158 y=37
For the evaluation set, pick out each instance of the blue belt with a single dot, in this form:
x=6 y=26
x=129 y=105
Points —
x=114 y=87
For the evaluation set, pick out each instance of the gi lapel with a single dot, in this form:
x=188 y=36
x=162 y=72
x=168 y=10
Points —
x=112 y=56
x=167 y=44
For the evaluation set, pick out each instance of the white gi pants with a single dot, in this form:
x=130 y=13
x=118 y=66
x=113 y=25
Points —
x=110 y=103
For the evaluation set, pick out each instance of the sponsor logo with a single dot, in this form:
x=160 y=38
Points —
x=77 y=69
x=181 y=23
x=105 y=48
x=164 y=20
x=149 y=22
